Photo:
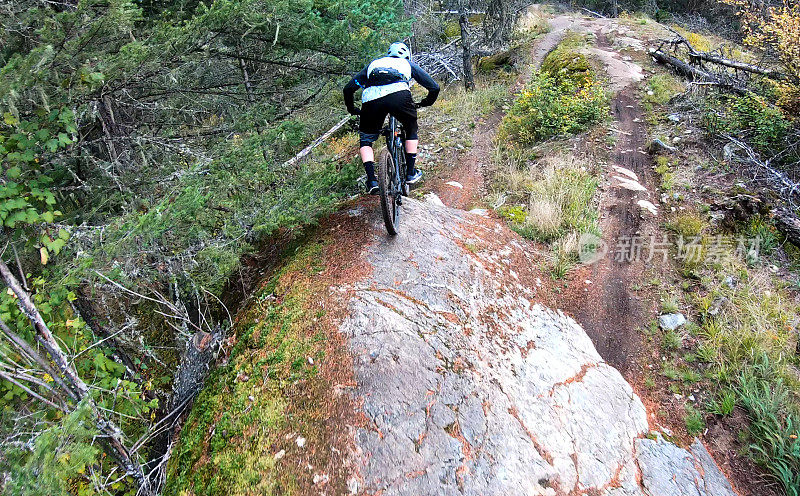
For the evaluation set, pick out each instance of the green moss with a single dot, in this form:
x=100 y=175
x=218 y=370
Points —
x=491 y=63
x=567 y=65
x=228 y=443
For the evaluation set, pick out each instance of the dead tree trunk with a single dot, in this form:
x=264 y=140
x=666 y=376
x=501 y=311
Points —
x=188 y=382
x=498 y=23
x=466 y=50
x=694 y=73
x=788 y=223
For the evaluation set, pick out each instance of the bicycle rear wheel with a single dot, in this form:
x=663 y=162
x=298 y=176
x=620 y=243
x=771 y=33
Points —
x=389 y=191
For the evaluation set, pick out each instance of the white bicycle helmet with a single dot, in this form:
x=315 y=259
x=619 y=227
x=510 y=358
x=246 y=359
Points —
x=399 y=50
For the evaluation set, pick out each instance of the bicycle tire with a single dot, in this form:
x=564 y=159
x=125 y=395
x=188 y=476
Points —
x=389 y=206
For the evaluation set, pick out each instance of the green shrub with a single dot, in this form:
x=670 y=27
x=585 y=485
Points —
x=774 y=423
x=60 y=455
x=563 y=98
x=762 y=125
x=546 y=108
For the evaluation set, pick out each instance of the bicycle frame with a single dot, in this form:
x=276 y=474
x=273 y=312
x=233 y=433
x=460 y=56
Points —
x=395 y=142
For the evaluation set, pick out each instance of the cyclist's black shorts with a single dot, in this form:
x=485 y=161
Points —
x=400 y=104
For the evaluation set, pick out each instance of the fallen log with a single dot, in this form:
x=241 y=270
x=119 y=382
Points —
x=782 y=183
x=788 y=223
x=694 y=73
x=741 y=66
x=695 y=54
x=307 y=150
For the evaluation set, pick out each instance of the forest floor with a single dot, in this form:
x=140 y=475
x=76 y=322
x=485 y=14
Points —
x=431 y=363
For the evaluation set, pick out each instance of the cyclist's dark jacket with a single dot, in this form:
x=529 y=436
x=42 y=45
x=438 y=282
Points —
x=395 y=82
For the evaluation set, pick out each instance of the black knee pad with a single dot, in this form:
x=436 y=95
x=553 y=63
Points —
x=367 y=139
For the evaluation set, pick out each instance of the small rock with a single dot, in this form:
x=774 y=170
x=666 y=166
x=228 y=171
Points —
x=301 y=441
x=432 y=198
x=650 y=92
x=646 y=205
x=671 y=321
x=479 y=211
x=320 y=478
x=674 y=118
x=657 y=145
x=730 y=282
x=716 y=305
x=280 y=454
x=691 y=397
x=676 y=140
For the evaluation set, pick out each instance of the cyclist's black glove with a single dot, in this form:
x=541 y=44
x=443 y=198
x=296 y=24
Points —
x=354 y=111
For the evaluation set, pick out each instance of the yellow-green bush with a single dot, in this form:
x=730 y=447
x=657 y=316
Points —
x=546 y=108
x=564 y=98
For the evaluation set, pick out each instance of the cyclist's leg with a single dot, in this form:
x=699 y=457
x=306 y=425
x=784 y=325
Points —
x=372 y=116
x=404 y=111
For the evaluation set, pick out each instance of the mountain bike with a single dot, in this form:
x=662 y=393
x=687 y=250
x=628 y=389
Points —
x=392 y=174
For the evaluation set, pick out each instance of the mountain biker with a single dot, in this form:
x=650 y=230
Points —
x=386 y=91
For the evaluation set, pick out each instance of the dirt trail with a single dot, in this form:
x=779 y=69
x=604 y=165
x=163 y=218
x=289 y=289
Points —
x=610 y=311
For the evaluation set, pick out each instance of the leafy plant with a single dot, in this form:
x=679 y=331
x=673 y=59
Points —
x=672 y=340
x=774 y=423
x=723 y=403
x=694 y=420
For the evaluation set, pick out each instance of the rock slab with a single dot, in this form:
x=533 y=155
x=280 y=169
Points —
x=469 y=387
